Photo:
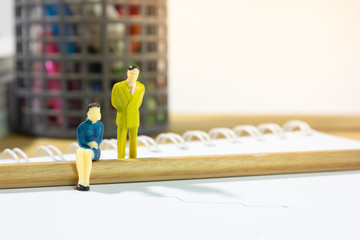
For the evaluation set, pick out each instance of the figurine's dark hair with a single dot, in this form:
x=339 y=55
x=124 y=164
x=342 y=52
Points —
x=131 y=67
x=91 y=105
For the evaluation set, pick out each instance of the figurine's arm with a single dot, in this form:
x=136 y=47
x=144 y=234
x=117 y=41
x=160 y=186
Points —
x=115 y=98
x=141 y=97
x=99 y=138
x=81 y=138
x=81 y=135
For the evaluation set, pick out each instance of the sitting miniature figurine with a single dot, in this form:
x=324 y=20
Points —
x=126 y=97
x=89 y=135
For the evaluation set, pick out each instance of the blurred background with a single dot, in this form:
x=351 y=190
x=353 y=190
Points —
x=70 y=53
x=264 y=57
x=247 y=62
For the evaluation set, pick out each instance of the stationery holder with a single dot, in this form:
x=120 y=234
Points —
x=71 y=53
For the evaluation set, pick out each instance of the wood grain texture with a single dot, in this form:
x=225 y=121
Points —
x=152 y=169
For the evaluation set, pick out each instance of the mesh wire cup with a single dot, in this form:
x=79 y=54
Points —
x=71 y=53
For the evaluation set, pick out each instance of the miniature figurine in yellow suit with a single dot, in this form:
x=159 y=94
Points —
x=126 y=97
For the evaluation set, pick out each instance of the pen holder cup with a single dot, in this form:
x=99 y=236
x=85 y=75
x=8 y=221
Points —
x=71 y=53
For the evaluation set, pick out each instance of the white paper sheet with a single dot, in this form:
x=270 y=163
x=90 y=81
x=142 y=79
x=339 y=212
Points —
x=296 y=206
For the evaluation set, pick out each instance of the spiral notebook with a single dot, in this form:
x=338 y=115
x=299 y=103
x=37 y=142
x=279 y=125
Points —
x=221 y=152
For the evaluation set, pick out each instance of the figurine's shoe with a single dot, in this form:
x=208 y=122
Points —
x=80 y=187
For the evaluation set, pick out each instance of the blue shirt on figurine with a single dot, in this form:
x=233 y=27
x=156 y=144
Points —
x=88 y=132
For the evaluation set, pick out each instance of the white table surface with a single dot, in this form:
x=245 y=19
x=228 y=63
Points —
x=292 y=206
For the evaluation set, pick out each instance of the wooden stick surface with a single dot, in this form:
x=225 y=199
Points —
x=171 y=168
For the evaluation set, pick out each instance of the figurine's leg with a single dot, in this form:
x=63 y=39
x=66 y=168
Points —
x=88 y=156
x=80 y=165
x=83 y=165
x=121 y=142
x=133 y=142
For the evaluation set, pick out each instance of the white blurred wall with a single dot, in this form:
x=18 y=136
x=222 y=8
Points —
x=7 y=27
x=264 y=56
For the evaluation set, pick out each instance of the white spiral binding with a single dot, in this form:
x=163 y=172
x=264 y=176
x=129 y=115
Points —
x=108 y=144
x=13 y=153
x=72 y=146
x=227 y=132
x=48 y=150
x=202 y=136
x=57 y=151
x=250 y=129
x=294 y=124
x=45 y=150
x=173 y=137
x=207 y=138
x=149 y=143
x=19 y=151
x=272 y=127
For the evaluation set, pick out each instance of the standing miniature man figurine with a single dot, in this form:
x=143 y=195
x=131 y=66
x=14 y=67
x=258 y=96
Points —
x=89 y=135
x=126 y=97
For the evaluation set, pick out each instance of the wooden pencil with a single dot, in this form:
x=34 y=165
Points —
x=20 y=175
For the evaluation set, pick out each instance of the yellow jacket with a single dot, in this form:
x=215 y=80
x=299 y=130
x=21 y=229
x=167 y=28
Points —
x=127 y=105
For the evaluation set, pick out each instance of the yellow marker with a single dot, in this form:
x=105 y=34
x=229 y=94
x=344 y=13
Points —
x=126 y=97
